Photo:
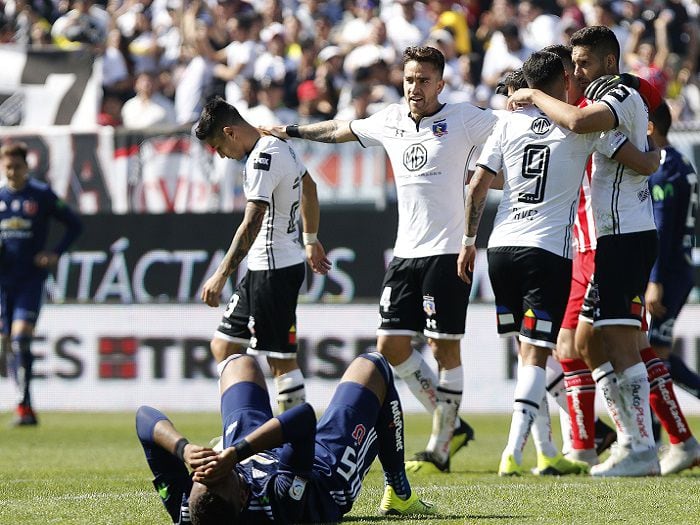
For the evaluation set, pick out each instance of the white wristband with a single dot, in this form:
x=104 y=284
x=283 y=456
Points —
x=309 y=238
x=468 y=241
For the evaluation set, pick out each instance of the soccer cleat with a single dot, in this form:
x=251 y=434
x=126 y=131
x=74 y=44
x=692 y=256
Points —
x=509 y=467
x=558 y=466
x=426 y=462
x=25 y=417
x=587 y=455
x=624 y=462
x=604 y=437
x=463 y=434
x=392 y=505
x=680 y=456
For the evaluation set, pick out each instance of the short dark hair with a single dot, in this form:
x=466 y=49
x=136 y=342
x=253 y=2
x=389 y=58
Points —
x=216 y=115
x=542 y=69
x=426 y=54
x=212 y=509
x=661 y=118
x=514 y=80
x=563 y=52
x=600 y=39
x=15 y=149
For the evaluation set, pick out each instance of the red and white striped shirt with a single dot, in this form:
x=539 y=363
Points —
x=584 y=226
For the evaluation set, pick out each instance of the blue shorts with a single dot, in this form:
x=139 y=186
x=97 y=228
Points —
x=676 y=293
x=20 y=302
x=244 y=407
x=346 y=442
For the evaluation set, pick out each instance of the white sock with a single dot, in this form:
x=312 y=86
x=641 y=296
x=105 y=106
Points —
x=420 y=379
x=542 y=430
x=529 y=391
x=565 y=425
x=449 y=397
x=290 y=390
x=555 y=383
x=606 y=381
x=634 y=387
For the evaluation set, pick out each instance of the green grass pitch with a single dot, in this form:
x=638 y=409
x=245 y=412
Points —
x=80 y=468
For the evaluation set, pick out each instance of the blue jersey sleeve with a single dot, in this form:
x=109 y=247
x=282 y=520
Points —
x=70 y=220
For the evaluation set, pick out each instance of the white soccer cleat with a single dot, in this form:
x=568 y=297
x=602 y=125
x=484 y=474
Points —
x=680 y=456
x=586 y=455
x=624 y=462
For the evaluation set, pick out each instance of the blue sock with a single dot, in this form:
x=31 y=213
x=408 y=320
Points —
x=683 y=376
x=23 y=366
x=171 y=479
x=391 y=442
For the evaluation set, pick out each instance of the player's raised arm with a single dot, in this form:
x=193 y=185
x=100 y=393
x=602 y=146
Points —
x=310 y=219
x=330 y=131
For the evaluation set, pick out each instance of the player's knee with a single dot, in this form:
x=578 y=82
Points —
x=146 y=419
x=237 y=368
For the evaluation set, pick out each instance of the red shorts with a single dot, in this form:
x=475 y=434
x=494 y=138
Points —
x=581 y=272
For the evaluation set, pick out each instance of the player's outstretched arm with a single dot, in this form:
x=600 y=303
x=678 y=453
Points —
x=240 y=245
x=330 y=131
x=476 y=202
x=596 y=117
x=310 y=219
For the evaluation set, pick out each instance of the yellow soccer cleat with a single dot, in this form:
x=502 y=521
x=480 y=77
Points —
x=509 y=467
x=559 y=466
x=392 y=505
x=427 y=463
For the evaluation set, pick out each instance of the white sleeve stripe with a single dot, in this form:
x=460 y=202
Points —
x=356 y=136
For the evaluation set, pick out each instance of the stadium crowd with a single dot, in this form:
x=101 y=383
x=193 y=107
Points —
x=309 y=60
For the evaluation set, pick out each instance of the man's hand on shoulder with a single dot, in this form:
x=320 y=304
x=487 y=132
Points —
x=601 y=86
x=276 y=131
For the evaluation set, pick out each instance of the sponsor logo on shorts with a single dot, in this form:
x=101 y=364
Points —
x=251 y=326
x=296 y=491
x=429 y=305
x=637 y=307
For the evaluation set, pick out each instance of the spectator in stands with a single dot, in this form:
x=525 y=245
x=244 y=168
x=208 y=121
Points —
x=358 y=29
x=359 y=104
x=270 y=110
x=148 y=108
x=116 y=76
x=85 y=23
x=506 y=52
x=539 y=28
x=309 y=96
x=449 y=15
x=647 y=58
x=271 y=63
x=407 y=24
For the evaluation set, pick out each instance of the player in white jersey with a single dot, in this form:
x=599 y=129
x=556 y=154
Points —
x=430 y=146
x=529 y=250
x=626 y=251
x=262 y=311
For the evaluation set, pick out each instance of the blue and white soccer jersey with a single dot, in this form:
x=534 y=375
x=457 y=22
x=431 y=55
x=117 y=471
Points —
x=262 y=311
x=430 y=161
x=529 y=249
x=674 y=190
x=25 y=216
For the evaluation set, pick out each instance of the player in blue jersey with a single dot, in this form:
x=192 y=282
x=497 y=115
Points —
x=27 y=207
x=674 y=189
x=285 y=469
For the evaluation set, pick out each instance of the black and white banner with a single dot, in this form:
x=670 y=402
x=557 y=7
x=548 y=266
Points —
x=48 y=87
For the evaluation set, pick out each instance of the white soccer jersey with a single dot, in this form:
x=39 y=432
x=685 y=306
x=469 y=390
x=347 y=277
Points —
x=621 y=201
x=273 y=175
x=543 y=165
x=430 y=160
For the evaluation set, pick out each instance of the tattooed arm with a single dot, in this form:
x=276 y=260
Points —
x=240 y=245
x=476 y=201
x=332 y=131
